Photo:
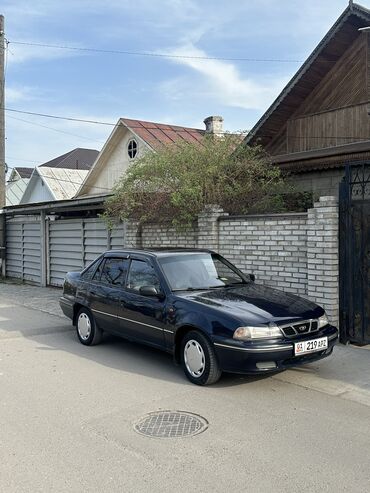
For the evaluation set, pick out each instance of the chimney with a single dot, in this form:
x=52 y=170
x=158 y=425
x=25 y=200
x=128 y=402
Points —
x=214 y=125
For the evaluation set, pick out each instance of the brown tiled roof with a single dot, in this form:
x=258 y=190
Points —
x=159 y=134
x=24 y=172
x=76 y=159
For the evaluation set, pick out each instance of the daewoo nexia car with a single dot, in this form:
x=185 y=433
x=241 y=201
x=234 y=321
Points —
x=199 y=307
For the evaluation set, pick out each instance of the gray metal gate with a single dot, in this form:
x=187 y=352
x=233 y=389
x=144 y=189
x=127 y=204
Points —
x=75 y=243
x=65 y=249
x=23 y=250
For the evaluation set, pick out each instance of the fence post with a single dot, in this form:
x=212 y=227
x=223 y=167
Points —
x=323 y=256
x=2 y=244
x=133 y=234
x=43 y=259
x=208 y=227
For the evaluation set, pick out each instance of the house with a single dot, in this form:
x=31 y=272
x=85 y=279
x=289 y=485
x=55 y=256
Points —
x=47 y=184
x=129 y=140
x=59 y=178
x=79 y=158
x=320 y=121
x=17 y=184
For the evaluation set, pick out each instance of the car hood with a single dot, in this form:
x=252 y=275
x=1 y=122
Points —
x=255 y=303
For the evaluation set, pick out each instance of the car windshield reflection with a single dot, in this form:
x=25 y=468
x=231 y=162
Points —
x=199 y=272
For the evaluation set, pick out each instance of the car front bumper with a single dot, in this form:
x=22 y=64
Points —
x=269 y=356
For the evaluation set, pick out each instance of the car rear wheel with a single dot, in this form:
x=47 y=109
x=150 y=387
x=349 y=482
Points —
x=88 y=332
x=199 y=359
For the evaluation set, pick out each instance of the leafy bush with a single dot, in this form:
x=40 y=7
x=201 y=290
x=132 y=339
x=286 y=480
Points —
x=177 y=182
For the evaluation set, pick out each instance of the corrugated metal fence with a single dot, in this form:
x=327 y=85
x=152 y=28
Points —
x=23 y=252
x=70 y=245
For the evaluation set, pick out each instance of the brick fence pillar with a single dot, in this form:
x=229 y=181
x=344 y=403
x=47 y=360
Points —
x=133 y=234
x=208 y=227
x=323 y=256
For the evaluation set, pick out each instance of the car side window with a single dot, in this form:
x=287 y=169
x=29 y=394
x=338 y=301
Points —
x=142 y=274
x=114 y=271
x=97 y=275
x=90 y=271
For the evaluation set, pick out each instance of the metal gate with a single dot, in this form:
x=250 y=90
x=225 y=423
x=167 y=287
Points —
x=23 y=250
x=354 y=240
x=75 y=243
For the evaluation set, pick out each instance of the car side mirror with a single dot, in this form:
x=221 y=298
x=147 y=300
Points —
x=150 y=291
x=252 y=277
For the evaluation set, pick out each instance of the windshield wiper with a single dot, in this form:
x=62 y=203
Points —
x=198 y=289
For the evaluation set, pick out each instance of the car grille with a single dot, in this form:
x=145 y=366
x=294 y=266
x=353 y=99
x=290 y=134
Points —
x=300 y=328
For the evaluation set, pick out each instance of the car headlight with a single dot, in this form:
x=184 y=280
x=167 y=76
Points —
x=250 y=333
x=323 y=320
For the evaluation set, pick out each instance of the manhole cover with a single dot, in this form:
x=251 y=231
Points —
x=170 y=424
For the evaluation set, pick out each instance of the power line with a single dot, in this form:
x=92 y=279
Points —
x=97 y=122
x=55 y=129
x=157 y=55
x=79 y=184
x=21 y=159
x=68 y=118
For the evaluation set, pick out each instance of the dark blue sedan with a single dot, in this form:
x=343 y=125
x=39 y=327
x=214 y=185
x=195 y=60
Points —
x=199 y=307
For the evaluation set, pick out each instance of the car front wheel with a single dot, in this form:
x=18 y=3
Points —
x=88 y=332
x=199 y=359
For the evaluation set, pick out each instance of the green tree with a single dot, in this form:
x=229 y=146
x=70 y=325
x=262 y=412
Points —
x=175 y=183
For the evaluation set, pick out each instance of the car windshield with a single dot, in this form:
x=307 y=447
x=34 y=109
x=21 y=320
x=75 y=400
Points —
x=199 y=271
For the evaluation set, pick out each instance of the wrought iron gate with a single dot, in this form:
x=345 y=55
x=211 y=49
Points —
x=354 y=241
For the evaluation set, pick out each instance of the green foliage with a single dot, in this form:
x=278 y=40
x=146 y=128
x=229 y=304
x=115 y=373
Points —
x=175 y=183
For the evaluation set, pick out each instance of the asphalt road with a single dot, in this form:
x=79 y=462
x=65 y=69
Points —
x=67 y=414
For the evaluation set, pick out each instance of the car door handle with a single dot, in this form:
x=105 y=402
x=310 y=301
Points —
x=93 y=293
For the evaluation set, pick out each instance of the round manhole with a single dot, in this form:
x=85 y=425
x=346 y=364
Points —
x=170 y=424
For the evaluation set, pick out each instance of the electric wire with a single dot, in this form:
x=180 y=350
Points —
x=56 y=130
x=154 y=54
x=97 y=122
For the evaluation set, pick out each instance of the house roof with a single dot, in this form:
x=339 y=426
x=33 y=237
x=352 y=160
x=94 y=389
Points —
x=159 y=134
x=79 y=158
x=317 y=65
x=62 y=183
x=154 y=135
x=14 y=191
x=23 y=172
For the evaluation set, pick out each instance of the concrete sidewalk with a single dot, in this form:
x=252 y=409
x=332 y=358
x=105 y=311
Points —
x=346 y=374
x=42 y=299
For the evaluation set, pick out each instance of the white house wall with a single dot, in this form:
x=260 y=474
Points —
x=112 y=164
x=36 y=191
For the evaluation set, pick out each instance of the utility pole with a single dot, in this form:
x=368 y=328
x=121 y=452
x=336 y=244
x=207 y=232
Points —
x=2 y=113
x=2 y=146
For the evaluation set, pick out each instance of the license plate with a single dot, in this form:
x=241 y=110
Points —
x=310 y=346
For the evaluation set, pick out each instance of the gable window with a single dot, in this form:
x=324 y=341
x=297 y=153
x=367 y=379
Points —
x=132 y=148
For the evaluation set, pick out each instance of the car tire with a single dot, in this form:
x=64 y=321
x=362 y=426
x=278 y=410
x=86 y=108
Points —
x=199 y=359
x=88 y=333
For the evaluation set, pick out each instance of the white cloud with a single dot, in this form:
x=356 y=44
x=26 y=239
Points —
x=15 y=94
x=222 y=82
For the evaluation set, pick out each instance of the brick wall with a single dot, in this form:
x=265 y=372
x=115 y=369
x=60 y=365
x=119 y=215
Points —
x=274 y=248
x=160 y=235
x=293 y=252
x=321 y=183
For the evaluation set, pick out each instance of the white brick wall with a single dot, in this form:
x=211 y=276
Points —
x=274 y=248
x=297 y=253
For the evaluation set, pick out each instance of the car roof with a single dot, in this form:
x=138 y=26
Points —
x=156 y=252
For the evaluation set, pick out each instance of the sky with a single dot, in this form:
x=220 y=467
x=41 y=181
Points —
x=182 y=91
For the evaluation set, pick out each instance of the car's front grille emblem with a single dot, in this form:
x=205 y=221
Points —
x=303 y=327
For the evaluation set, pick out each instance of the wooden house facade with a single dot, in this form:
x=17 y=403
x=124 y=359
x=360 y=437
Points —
x=321 y=121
